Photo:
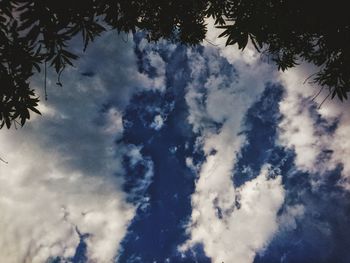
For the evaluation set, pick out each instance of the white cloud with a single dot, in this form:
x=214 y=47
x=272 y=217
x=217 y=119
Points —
x=158 y=63
x=297 y=129
x=64 y=169
x=138 y=192
x=191 y=165
x=157 y=123
x=243 y=231
x=43 y=199
x=151 y=52
x=216 y=111
x=217 y=105
x=300 y=130
x=134 y=153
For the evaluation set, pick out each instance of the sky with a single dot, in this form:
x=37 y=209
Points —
x=158 y=152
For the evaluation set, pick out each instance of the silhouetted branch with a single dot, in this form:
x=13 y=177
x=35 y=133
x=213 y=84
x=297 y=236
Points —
x=329 y=94
x=3 y=160
x=318 y=93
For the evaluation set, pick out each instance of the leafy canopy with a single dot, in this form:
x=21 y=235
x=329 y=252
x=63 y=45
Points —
x=35 y=34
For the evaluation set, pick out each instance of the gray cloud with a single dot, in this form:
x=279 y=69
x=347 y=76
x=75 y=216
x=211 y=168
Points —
x=64 y=169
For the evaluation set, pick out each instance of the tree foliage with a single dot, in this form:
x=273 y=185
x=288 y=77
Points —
x=35 y=34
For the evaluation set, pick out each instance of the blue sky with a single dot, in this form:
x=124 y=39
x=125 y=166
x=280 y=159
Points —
x=157 y=152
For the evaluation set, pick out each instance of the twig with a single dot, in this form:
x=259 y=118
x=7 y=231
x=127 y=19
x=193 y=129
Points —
x=59 y=77
x=309 y=77
x=330 y=92
x=211 y=42
x=45 y=82
x=3 y=160
x=318 y=93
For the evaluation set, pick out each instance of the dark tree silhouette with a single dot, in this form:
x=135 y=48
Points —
x=35 y=34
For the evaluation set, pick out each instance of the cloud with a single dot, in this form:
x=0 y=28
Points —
x=238 y=231
x=153 y=63
x=297 y=129
x=143 y=167
x=287 y=220
x=231 y=223
x=64 y=171
x=43 y=201
x=157 y=123
x=318 y=135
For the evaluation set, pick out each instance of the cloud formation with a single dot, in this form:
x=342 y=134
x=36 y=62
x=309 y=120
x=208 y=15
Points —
x=63 y=182
x=64 y=174
x=231 y=223
x=317 y=133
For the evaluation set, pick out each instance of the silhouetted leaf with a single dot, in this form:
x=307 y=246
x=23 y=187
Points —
x=33 y=32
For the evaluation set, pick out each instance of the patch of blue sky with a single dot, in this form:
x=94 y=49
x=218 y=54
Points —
x=155 y=233
x=260 y=130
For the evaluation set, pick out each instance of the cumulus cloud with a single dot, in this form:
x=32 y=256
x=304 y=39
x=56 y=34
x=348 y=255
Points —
x=231 y=223
x=297 y=129
x=64 y=171
x=316 y=134
x=306 y=127
x=238 y=231
x=43 y=202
